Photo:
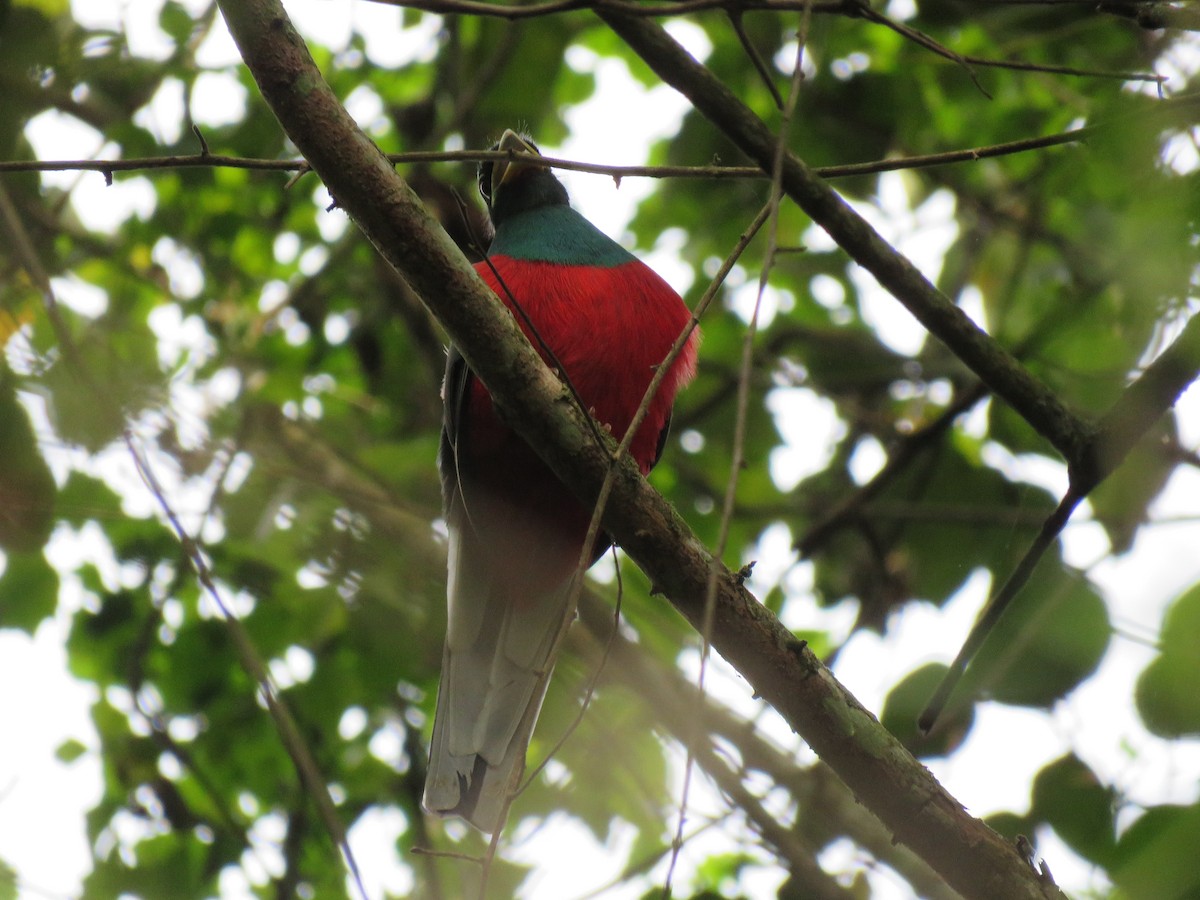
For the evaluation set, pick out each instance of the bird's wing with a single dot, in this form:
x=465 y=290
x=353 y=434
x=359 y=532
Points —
x=664 y=434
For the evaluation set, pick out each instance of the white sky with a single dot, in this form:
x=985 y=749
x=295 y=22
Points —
x=42 y=801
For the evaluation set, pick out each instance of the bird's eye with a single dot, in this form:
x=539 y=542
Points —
x=484 y=175
x=487 y=167
x=485 y=179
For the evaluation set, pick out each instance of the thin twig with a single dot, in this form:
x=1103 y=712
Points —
x=1141 y=405
x=289 y=732
x=1148 y=15
x=923 y=40
x=760 y=65
x=824 y=805
x=446 y=854
x=994 y=364
x=898 y=461
x=26 y=254
x=421 y=157
x=534 y=10
x=734 y=8
x=996 y=607
x=737 y=456
x=966 y=61
x=646 y=862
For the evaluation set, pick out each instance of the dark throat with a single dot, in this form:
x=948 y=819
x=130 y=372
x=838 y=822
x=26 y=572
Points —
x=530 y=190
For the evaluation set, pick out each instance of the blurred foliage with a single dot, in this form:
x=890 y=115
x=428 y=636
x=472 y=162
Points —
x=1167 y=710
x=284 y=384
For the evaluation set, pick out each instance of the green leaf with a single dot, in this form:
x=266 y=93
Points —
x=1156 y=857
x=8 y=881
x=906 y=701
x=175 y=21
x=104 y=644
x=49 y=8
x=720 y=871
x=1166 y=694
x=70 y=750
x=1121 y=502
x=1052 y=637
x=27 y=488
x=1166 y=697
x=28 y=591
x=1068 y=796
x=120 y=356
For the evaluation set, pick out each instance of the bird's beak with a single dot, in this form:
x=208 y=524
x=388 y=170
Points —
x=505 y=170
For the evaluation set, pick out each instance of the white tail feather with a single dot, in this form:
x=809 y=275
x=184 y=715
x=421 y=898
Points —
x=495 y=669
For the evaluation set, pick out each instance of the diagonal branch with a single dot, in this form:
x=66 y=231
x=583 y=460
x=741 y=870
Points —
x=1141 y=405
x=881 y=772
x=898 y=461
x=994 y=365
x=824 y=807
x=550 y=7
x=966 y=61
x=1091 y=451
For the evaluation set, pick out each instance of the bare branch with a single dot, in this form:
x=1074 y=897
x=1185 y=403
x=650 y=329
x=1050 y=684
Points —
x=996 y=607
x=1149 y=14
x=756 y=59
x=824 y=806
x=1141 y=405
x=924 y=40
x=285 y=723
x=995 y=366
x=735 y=8
x=217 y=161
x=898 y=461
x=533 y=10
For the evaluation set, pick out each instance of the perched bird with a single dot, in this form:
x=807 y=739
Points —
x=516 y=532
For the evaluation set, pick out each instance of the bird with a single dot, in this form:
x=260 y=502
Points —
x=605 y=321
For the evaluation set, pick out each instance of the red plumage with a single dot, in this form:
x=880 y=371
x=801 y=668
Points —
x=609 y=329
x=516 y=532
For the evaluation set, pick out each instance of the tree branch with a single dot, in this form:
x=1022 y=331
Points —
x=108 y=167
x=1141 y=405
x=924 y=40
x=825 y=809
x=1152 y=15
x=1091 y=452
x=994 y=365
x=884 y=776
x=551 y=7
x=906 y=450
x=853 y=9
